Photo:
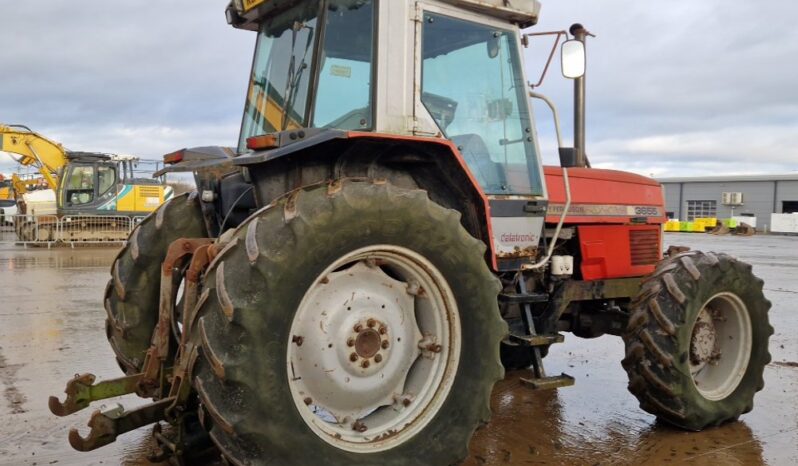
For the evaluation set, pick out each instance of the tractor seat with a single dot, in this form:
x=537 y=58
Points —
x=476 y=154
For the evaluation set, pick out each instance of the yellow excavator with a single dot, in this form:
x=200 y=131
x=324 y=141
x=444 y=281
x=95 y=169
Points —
x=80 y=184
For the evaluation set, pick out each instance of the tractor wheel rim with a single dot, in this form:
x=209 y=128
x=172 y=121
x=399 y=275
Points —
x=374 y=348
x=720 y=346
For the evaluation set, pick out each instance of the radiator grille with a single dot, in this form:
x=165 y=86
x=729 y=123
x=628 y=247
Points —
x=644 y=246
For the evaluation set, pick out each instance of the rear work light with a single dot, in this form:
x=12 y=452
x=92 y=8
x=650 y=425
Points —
x=262 y=142
x=174 y=157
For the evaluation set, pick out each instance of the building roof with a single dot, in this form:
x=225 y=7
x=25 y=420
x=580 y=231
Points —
x=729 y=178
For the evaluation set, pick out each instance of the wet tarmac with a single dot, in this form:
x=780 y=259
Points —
x=51 y=326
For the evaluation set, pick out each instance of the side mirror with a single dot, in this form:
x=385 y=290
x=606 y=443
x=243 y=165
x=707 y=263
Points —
x=573 y=59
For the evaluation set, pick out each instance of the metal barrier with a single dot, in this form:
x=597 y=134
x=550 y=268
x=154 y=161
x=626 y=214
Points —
x=49 y=230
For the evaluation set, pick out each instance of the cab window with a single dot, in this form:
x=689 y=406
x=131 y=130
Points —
x=80 y=185
x=473 y=86
x=343 y=99
x=106 y=179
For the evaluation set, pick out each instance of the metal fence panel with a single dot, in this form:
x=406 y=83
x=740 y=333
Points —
x=70 y=230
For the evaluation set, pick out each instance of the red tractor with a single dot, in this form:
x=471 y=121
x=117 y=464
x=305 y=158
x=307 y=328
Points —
x=348 y=287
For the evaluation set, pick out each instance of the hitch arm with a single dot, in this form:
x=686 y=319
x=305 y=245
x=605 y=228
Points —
x=108 y=424
x=81 y=391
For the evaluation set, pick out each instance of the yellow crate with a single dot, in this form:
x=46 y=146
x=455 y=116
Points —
x=672 y=225
x=698 y=226
x=708 y=222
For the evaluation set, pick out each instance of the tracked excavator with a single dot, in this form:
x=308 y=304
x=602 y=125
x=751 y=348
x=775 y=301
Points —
x=79 y=184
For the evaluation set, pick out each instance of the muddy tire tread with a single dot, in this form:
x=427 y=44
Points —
x=266 y=246
x=132 y=293
x=655 y=359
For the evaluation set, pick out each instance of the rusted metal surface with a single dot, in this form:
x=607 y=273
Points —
x=519 y=253
x=703 y=344
x=153 y=369
x=199 y=262
x=108 y=424
x=81 y=391
x=179 y=249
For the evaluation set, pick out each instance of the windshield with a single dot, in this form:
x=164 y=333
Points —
x=278 y=89
x=285 y=62
x=473 y=86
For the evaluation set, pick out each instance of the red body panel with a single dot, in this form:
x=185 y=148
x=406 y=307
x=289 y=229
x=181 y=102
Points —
x=604 y=196
x=603 y=206
x=616 y=251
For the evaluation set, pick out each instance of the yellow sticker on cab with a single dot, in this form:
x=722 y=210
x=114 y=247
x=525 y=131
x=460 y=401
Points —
x=250 y=4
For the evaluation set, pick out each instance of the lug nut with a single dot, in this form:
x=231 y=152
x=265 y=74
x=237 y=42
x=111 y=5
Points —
x=350 y=342
x=353 y=357
x=378 y=358
x=371 y=323
x=385 y=344
x=365 y=364
x=383 y=330
x=359 y=427
x=358 y=328
x=435 y=348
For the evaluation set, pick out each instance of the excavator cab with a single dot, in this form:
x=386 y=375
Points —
x=89 y=180
x=106 y=185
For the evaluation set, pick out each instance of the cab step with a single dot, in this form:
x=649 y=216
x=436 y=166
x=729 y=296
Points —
x=547 y=383
x=537 y=340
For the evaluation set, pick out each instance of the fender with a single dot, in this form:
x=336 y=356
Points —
x=327 y=144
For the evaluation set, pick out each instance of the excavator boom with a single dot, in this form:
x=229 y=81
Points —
x=34 y=150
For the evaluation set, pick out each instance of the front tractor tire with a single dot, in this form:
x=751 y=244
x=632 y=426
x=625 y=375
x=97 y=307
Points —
x=348 y=324
x=132 y=293
x=697 y=340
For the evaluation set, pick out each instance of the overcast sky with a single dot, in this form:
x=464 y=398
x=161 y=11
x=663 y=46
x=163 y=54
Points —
x=674 y=88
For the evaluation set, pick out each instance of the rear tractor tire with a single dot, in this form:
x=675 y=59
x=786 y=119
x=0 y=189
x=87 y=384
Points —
x=132 y=293
x=349 y=324
x=697 y=340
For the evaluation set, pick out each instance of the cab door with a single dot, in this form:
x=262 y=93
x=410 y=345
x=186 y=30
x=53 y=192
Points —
x=471 y=83
x=88 y=188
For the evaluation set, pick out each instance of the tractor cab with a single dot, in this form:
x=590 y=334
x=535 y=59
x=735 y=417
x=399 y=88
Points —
x=462 y=78
x=454 y=72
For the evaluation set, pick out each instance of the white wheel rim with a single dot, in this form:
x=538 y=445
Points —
x=720 y=346
x=374 y=349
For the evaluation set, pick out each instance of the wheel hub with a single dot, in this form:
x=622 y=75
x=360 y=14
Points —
x=368 y=343
x=720 y=346
x=703 y=346
x=369 y=352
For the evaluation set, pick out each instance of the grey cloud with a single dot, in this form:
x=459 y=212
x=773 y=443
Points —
x=673 y=87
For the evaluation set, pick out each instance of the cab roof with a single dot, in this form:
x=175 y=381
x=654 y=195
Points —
x=246 y=14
